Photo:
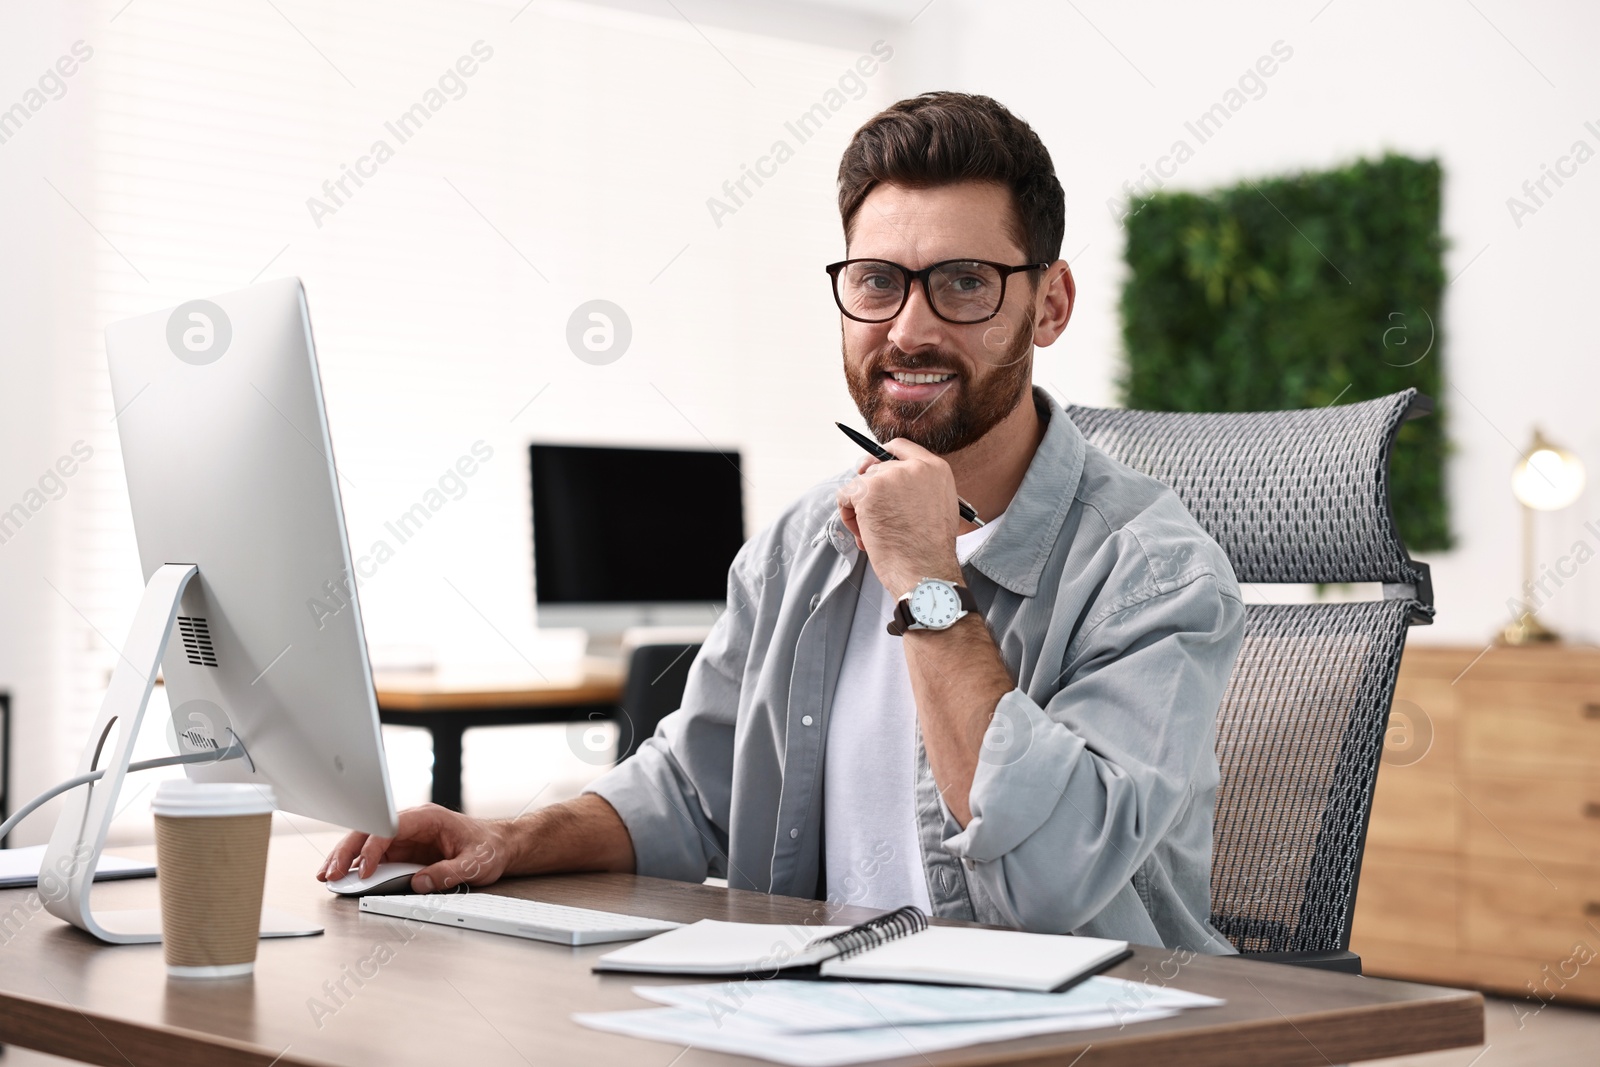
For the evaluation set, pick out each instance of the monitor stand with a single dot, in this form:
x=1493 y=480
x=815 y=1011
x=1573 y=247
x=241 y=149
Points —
x=87 y=811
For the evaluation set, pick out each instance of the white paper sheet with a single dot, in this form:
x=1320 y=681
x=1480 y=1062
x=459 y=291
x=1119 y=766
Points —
x=827 y=1024
x=834 y=1048
x=19 y=867
x=805 y=1007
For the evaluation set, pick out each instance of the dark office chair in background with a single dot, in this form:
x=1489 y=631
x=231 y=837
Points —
x=652 y=690
x=1293 y=497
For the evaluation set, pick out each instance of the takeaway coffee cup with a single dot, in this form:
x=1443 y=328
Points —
x=211 y=865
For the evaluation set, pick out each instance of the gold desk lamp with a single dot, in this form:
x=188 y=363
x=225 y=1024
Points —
x=1548 y=479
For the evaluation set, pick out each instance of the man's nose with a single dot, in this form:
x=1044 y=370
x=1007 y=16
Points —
x=916 y=326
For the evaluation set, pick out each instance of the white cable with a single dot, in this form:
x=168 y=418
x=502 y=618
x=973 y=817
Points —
x=233 y=751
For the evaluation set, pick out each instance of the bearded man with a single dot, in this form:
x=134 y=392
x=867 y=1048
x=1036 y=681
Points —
x=1010 y=721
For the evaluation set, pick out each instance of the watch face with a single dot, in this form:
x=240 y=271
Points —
x=935 y=604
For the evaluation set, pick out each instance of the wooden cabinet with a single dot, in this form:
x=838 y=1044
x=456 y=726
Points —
x=1482 y=864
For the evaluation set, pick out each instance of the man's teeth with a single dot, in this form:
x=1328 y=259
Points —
x=921 y=379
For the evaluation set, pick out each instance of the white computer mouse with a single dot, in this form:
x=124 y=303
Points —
x=385 y=878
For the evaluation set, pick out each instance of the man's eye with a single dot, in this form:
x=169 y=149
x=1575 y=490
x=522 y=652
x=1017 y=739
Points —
x=967 y=283
x=879 y=282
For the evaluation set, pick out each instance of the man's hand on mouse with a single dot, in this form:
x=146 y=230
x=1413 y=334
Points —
x=458 y=849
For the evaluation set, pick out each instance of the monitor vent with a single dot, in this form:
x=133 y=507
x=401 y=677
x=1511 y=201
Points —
x=197 y=641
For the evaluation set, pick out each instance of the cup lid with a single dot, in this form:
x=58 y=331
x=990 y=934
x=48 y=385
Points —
x=180 y=797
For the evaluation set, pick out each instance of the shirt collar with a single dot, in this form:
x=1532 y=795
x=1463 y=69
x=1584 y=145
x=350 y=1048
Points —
x=1015 y=554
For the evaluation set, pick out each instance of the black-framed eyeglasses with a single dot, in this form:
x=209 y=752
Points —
x=960 y=291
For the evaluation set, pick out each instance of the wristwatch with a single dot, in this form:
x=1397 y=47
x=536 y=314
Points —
x=934 y=604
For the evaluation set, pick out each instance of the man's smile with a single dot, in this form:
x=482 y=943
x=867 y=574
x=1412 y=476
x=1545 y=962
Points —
x=917 y=384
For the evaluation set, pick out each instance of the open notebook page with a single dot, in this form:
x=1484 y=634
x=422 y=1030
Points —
x=959 y=955
x=713 y=947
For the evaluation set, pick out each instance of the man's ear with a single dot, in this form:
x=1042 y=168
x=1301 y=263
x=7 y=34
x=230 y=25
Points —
x=1053 y=303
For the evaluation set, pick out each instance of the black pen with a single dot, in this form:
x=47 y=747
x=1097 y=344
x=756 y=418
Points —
x=877 y=451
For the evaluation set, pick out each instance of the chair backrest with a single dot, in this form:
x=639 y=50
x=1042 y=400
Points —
x=652 y=690
x=1292 y=497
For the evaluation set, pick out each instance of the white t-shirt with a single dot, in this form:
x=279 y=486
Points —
x=869 y=794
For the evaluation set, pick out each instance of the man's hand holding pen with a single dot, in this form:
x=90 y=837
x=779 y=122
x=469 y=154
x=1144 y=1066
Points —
x=904 y=516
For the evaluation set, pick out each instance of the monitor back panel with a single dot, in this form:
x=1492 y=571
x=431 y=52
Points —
x=230 y=467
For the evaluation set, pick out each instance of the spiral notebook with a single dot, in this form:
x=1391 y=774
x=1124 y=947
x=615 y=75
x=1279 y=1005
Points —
x=898 y=946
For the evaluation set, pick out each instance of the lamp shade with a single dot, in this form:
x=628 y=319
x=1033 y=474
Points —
x=1549 y=478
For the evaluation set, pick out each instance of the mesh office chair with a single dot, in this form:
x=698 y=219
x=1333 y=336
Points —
x=1293 y=497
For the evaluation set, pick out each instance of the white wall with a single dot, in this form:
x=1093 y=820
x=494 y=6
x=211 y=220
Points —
x=578 y=165
x=1493 y=91
x=44 y=255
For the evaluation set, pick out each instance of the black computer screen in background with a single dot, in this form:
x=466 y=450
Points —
x=634 y=525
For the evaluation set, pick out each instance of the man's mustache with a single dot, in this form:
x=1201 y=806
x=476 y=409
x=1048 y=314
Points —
x=926 y=361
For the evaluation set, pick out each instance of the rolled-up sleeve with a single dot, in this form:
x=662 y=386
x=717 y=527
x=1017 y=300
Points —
x=1070 y=798
x=675 y=794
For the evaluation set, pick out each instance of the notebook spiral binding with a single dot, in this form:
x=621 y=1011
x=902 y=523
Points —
x=890 y=926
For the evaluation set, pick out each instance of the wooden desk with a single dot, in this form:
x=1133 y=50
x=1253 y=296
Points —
x=446 y=996
x=447 y=705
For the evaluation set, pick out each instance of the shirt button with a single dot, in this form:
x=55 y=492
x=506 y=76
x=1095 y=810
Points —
x=815 y=601
x=971 y=866
x=805 y=720
x=793 y=834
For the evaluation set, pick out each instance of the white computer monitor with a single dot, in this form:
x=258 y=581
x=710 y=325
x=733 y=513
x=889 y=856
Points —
x=236 y=508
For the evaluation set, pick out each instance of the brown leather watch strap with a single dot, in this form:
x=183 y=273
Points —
x=903 y=619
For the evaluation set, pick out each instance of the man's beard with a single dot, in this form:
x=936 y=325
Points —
x=955 y=418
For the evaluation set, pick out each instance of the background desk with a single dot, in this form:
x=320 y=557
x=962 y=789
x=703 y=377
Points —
x=448 y=705
x=448 y=996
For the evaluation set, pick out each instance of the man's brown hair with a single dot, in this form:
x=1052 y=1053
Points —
x=943 y=138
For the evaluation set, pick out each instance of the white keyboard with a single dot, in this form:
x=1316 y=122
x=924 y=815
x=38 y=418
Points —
x=532 y=919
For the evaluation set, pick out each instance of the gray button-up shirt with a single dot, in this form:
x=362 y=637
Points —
x=1092 y=803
